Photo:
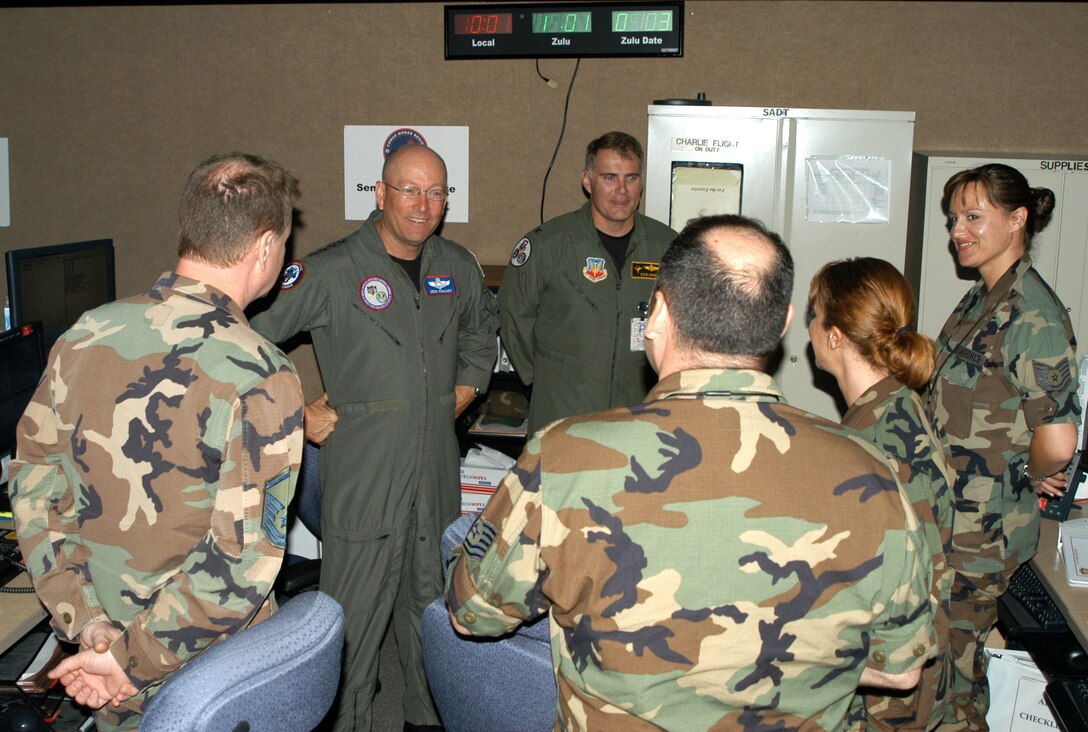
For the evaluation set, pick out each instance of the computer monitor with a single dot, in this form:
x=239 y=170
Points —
x=54 y=285
x=22 y=361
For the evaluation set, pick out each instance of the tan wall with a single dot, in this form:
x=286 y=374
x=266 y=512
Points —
x=107 y=109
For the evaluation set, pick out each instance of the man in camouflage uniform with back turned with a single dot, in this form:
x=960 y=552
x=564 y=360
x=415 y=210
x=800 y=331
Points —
x=159 y=453
x=712 y=557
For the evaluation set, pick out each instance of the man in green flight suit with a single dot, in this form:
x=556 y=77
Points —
x=710 y=558
x=575 y=296
x=404 y=331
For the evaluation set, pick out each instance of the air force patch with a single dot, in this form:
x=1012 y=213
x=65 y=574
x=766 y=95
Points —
x=595 y=269
x=1052 y=378
x=376 y=293
x=292 y=274
x=440 y=285
x=521 y=252
x=274 y=519
x=479 y=538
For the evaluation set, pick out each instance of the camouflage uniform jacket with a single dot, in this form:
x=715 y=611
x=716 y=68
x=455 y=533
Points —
x=154 y=466
x=712 y=557
x=566 y=308
x=1006 y=364
x=892 y=417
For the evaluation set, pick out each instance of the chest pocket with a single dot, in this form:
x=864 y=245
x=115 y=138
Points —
x=976 y=395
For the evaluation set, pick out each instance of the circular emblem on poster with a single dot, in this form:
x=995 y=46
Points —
x=400 y=138
x=292 y=274
x=376 y=293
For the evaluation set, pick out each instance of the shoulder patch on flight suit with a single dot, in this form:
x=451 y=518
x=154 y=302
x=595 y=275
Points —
x=376 y=293
x=645 y=270
x=1052 y=378
x=274 y=520
x=595 y=269
x=292 y=274
x=521 y=252
x=440 y=285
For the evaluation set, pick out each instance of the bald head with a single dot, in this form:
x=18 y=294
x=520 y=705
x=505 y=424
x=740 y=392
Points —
x=410 y=155
x=407 y=222
x=727 y=281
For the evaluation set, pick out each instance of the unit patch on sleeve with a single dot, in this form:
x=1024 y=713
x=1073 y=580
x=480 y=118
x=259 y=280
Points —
x=645 y=270
x=292 y=274
x=376 y=293
x=274 y=519
x=479 y=538
x=1052 y=378
x=521 y=252
x=440 y=285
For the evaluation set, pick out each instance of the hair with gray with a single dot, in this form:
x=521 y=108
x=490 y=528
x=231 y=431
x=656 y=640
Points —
x=719 y=308
x=229 y=201
x=1007 y=188
x=620 y=142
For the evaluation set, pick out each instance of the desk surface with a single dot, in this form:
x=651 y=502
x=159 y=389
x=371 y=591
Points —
x=1048 y=565
x=19 y=613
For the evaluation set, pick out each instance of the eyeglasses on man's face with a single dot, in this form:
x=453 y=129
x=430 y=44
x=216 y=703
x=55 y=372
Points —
x=412 y=193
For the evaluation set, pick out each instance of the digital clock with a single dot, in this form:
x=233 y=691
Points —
x=580 y=29
x=562 y=22
x=476 y=24
x=637 y=21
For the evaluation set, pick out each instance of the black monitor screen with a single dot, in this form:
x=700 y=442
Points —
x=22 y=361
x=54 y=285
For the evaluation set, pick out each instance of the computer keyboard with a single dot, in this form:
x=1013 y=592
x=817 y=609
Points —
x=1029 y=606
x=10 y=559
x=1068 y=699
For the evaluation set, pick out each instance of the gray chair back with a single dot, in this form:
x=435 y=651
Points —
x=277 y=676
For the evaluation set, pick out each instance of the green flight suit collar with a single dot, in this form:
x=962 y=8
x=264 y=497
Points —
x=743 y=384
x=372 y=239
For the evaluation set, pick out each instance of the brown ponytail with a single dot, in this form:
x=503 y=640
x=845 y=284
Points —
x=872 y=304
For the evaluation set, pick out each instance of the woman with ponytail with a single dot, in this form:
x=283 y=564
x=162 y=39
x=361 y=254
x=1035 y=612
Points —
x=1005 y=393
x=860 y=322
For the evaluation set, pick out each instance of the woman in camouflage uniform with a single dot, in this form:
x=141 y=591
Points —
x=860 y=318
x=1005 y=393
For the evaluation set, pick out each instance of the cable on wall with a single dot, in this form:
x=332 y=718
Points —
x=562 y=129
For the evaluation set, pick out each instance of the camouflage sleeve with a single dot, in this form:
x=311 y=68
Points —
x=44 y=508
x=1043 y=368
x=903 y=636
x=519 y=302
x=494 y=582
x=476 y=346
x=225 y=579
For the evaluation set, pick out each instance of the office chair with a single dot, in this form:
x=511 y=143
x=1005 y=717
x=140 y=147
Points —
x=277 y=676
x=502 y=685
x=300 y=574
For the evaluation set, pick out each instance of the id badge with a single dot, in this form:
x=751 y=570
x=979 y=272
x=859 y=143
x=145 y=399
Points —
x=638 y=334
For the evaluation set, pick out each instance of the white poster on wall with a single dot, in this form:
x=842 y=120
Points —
x=365 y=150
x=5 y=188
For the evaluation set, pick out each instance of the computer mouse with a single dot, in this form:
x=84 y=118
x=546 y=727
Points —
x=20 y=718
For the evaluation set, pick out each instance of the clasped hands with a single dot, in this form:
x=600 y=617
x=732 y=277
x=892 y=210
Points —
x=92 y=677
